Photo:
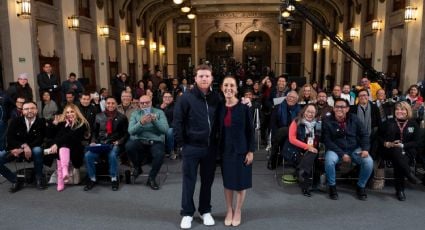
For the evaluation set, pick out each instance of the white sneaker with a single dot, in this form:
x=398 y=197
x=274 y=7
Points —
x=186 y=222
x=208 y=219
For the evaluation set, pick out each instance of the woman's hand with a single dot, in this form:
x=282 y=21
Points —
x=388 y=145
x=53 y=149
x=312 y=149
x=249 y=158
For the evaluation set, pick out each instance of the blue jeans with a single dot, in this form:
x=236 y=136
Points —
x=91 y=158
x=169 y=140
x=137 y=151
x=366 y=167
x=37 y=157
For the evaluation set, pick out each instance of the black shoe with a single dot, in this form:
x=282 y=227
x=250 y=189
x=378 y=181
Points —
x=152 y=183
x=333 y=194
x=15 y=187
x=41 y=183
x=306 y=192
x=413 y=179
x=400 y=195
x=89 y=185
x=361 y=193
x=115 y=185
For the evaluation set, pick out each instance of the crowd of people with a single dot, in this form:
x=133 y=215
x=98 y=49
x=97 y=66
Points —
x=157 y=117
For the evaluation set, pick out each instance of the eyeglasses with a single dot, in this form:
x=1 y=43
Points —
x=340 y=107
x=144 y=102
x=363 y=95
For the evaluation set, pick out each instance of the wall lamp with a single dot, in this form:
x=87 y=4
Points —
x=376 y=25
x=354 y=33
x=104 y=31
x=74 y=22
x=410 y=13
x=24 y=8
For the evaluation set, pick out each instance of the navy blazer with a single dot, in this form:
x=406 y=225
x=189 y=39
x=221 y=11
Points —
x=242 y=129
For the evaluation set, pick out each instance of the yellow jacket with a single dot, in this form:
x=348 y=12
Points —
x=374 y=87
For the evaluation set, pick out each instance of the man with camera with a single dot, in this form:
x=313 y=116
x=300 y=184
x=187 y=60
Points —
x=346 y=139
x=147 y=129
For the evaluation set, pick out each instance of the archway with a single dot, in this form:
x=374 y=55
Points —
x=257 y=50
x=219 y=51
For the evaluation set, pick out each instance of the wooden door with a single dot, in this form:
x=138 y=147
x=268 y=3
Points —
x=89 y=75
x=394 y=68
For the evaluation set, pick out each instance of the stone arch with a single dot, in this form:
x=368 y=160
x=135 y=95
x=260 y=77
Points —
x=250 y=55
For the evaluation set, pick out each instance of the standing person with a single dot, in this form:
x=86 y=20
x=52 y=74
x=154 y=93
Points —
x=24 y=140
x=194 y=123
x=70 y=128
x=72 y=85
x=47 y=81
x=20 y=88
x=237 y=146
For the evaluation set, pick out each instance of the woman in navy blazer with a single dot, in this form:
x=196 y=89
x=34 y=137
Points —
x=237 y=148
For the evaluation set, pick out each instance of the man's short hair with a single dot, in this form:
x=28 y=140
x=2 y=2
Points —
x=85 y=94
x=30 y=102
x=72 y=74
x=362 y=90
x=203 y=67
x=342 y=99
x=110 y=97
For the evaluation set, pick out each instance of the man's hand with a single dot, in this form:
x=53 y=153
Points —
x=16 y=152
x=146 y=119
x=27 y=152
x=364 y=154
x=346 y=158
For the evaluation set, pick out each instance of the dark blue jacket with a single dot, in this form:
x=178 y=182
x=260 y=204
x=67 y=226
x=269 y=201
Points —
x=282 y=116
x=345 y=141
x=242 y=129
x=194 y=121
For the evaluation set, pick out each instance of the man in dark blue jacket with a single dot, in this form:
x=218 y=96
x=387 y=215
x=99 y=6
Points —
x=346 y=138
x=195 y=115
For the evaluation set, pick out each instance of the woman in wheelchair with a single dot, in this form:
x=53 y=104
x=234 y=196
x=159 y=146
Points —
x=70 y=128
x=304 y=134
x=400 y=136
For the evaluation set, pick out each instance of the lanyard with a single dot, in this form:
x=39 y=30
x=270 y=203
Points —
x=401 y=129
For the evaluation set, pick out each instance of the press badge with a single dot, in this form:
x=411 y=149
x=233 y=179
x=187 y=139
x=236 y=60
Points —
x=411 y=129
x=310 y=141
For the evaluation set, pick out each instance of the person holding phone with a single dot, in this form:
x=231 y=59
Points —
x=399 y=137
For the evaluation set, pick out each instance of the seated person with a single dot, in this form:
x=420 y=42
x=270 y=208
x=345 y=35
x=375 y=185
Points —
x=168 y=107
x=400 y=139
x=147 y=129
x=69 y=129
x=347 y=139
x=304 y=137
x=281 y=117
x=110 y=128
x=25 y=139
